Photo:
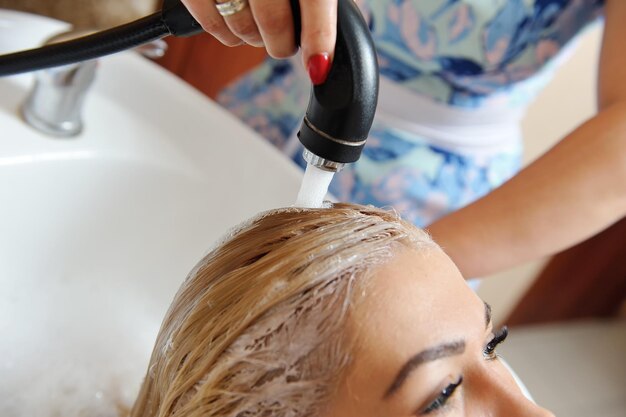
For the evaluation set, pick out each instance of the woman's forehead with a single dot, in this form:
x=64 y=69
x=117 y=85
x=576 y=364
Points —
x=417 y=299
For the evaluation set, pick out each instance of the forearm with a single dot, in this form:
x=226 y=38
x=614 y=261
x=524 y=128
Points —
x=574 y=191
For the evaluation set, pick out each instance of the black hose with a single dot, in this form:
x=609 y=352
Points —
x=88 y=47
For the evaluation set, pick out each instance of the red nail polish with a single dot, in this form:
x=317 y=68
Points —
x=318 y=67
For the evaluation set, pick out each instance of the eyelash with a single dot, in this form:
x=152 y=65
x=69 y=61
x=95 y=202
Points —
x=489 y=352
x=442 y=399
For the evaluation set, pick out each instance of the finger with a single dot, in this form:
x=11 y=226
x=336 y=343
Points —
x=274 y=19
x=319 y=28
x=206 y=14
x=242 y=24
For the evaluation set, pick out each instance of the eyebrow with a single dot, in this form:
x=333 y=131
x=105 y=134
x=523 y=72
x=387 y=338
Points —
x=428 y=355
x=487 y=314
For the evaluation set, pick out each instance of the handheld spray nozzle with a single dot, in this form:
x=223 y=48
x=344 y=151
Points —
x=341 y=110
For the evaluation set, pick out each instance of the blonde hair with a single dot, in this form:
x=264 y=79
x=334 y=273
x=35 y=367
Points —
x=258 y=327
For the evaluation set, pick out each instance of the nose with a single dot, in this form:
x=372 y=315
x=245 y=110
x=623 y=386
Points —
x=511 y=402
x=501 y=395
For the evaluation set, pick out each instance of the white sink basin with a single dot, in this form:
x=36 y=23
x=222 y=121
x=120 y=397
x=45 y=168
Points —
x=97 y=232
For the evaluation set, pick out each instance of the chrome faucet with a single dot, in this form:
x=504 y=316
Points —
x=54 y=105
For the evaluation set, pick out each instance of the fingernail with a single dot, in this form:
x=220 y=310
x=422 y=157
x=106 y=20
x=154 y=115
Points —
x=318 y=67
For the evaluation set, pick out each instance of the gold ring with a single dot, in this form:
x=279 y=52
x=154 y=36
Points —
x=231 y=7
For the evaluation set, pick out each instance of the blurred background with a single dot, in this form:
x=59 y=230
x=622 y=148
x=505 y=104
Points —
x=567 y=313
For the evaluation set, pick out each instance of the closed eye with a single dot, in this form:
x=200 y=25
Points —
x=489 y=352
x=443 y=398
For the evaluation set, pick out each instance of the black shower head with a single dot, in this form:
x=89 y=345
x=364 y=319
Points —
x=341 y=110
